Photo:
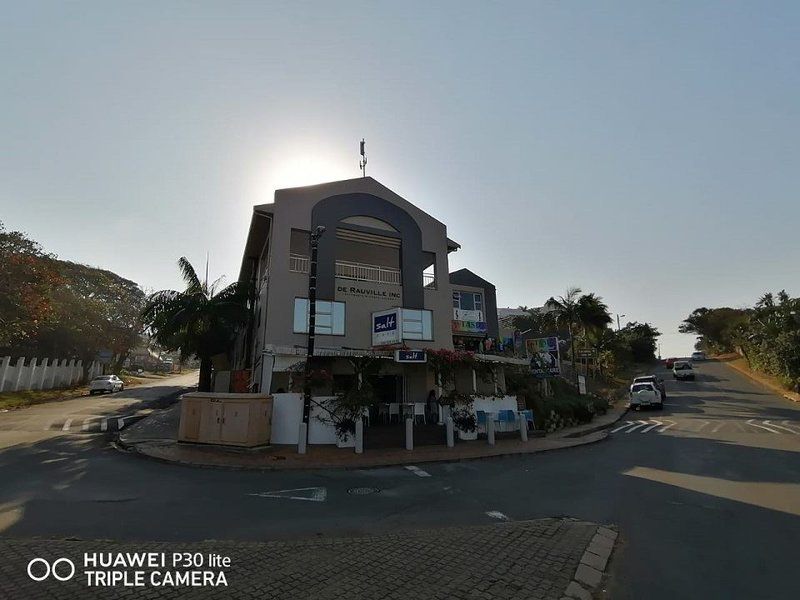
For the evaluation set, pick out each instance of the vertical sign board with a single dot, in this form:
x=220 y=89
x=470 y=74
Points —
x=386 y=327
x=582 y=385
x=544 y=356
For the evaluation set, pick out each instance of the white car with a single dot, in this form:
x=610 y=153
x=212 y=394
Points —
x=646 y=394
x=682 y=369
x=106 y=383
x=698 y=355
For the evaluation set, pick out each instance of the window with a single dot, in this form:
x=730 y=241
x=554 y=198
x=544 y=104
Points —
x=329 y=321
x=468 y=300
x=417 y=324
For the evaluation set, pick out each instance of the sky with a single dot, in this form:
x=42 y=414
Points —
x=644 y=151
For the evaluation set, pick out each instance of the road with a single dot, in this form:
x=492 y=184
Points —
x=706 y=494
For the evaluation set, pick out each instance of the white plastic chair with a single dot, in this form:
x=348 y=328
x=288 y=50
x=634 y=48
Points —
x=365 y=415
x=419 y=411
x=394 y=409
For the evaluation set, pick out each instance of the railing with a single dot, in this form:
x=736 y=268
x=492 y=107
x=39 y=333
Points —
x=362 y=272
x=429 y=281
x=298 y=263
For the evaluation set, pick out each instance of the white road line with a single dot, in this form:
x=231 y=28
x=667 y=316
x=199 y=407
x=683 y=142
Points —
x=780 y=427
x=417 y=471
x=750 y=422
x=67 y=425
x=48 y=426
x=655 y=424
x=496 y=514
x=717 y=428
x=702 y=426
x=789 y=424
x=121 y=422
x=104 y=425
x=627 y=424
x=86 y=424
x=635 y=427
x=671 y=424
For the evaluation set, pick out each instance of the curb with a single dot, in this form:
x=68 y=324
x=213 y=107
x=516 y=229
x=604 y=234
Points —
x=133 y=450
x=593 y=565
x=777 y=391
x=597 y=428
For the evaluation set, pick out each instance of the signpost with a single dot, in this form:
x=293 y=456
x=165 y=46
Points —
x=386 y=327
x=410 y=356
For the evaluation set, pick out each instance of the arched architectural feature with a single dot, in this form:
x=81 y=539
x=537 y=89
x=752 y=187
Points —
x=330 y=211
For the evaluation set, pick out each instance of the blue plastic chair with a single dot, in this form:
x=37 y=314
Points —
x=506 y=416
x=480 y=416
x=528 y=414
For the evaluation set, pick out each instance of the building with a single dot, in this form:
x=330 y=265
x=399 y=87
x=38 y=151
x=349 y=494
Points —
x=383 y=285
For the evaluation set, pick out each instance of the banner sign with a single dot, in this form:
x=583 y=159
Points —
x=469 y=327
x=544 y=356
x=410 y=356
x=460 y=314
x=386 y=328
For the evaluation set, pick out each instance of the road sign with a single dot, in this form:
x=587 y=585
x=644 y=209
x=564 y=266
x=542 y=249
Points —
x=586 y=353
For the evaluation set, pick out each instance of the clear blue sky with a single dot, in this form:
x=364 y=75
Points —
x=647 y=151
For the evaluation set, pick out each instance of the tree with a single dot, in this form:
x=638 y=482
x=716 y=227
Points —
x=592 y=313
x=638 y=341
x=199 y=321
x=564 y=311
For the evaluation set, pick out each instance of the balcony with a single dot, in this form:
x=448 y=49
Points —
x=351 y=270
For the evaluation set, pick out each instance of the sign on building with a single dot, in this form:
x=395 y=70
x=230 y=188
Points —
x=386 y=327
x=410 y=356
x=469 y=327
x=544 y=356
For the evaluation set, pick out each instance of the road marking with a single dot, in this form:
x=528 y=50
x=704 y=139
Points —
x=627 y=424
x=104 y=425
x=750 y=422
x=67 y=424
x=309 y=494
x=496 y=514
x=780 y=427
x=653 y=426
x=86 y=424
x=702 y=426
x=717 y=428
x=48 y=426
x=789 y=423
x=671 y=424
x=121 y=423
x=417 y=471
x=635 y=427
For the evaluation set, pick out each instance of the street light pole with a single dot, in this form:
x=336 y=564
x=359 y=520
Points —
x=312 y=322
x=618 y=316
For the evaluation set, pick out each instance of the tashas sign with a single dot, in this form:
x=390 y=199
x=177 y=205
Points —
x=386 y=327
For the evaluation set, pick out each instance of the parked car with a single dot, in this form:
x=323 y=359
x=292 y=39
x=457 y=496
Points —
x=670 y=362
x=645 y=394
x=106 y=383
x=682 y=369
x=698 y=356
x=655 y=380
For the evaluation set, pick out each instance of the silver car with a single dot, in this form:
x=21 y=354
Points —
x=106 y=383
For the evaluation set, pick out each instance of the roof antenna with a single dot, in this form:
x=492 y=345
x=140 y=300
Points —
x=363 y=164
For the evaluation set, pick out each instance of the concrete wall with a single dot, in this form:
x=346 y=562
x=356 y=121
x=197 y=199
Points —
x=42 y=373
x=293 y=210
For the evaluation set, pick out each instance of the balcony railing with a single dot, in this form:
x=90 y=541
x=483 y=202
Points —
x=362 y=272
x=351 y=270
x=298 y=263
x=429 y=281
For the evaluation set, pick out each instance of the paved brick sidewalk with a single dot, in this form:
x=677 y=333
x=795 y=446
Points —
x=529 y=559
x=154 y=437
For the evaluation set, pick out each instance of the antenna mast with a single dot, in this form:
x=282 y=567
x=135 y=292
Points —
x=363 y=163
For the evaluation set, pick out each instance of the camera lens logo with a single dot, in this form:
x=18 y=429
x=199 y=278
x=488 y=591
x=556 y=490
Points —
x=62 y=569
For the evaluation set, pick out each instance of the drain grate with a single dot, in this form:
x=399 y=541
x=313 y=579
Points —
x=362 y=491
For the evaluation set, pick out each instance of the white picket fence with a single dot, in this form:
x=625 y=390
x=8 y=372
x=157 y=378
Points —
x=42 y=374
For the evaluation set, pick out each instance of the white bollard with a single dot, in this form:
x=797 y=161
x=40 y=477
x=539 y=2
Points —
x=448 y=422
x=490 y=430
x=359 y=436
x=523 y=428
x=302 y=438
x=409 y=433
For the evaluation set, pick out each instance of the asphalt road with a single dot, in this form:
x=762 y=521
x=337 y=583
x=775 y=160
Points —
x=706 y=494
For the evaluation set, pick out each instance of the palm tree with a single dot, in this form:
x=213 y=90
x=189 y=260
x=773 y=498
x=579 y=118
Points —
x=199 y=321
x=592 y=312
x=564 y=310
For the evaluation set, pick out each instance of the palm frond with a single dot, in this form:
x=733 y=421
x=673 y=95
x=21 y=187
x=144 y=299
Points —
x=193 y=283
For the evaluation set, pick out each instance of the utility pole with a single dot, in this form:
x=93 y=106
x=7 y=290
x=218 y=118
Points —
x=312 y=322
x=363 y=163
x=618 y=316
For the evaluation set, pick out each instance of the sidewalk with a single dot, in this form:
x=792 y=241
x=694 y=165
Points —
x=155 y=437
x=734 y=361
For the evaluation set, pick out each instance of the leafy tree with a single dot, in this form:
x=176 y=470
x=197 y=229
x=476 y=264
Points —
x=719 y=329
x=565 y=311
x=638 y=341
x=199 y=321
